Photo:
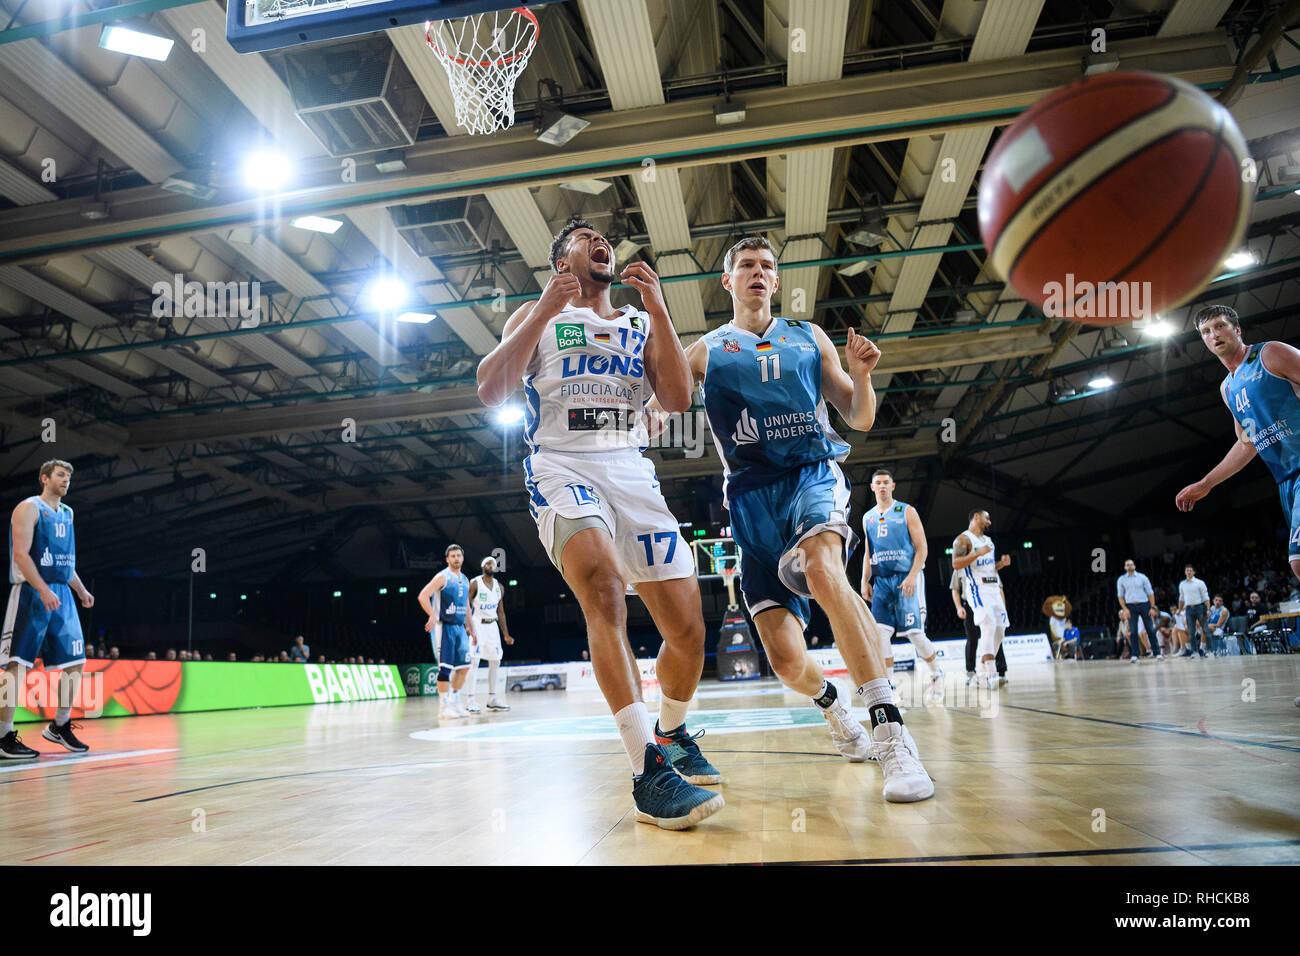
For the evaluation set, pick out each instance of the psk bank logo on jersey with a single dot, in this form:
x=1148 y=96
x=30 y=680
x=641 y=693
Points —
x=47 y=559
x=570 y=336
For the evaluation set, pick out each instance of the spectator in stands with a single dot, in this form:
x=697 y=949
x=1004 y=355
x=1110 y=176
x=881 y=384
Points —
x=90 y=650
x=232 y=656
x=320 y=659
x=1218 y=620
x=114 y=654
x=299 y=651
x=284 y=657
x=814 y=641
x=1122 y=641
x=151 y=656
x=171 y=654
x=586 y=656
x=1070 y=638
x=207 y=657
x=381 y=660
x=1254 y=610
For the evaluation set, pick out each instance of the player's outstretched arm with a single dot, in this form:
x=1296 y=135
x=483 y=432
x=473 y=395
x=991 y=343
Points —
x=851 y=393
x=501 y=617
x=1237 y=458
x=666 y=367
x=502 y=368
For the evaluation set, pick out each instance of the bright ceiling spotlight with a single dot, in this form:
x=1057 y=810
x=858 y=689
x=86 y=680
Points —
x=386 y=293
x=318 y=224
x=1101 y=381
x=1158 y=328
x=267 y=170
x=121 y=38
x=1242 y=259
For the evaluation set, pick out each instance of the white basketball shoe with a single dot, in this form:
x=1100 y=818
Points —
x=905 y=778
x=847 y=733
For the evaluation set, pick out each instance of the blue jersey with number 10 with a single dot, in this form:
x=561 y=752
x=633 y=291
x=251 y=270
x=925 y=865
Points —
x=889 y=540
x=763 y=398
x=1268 y=410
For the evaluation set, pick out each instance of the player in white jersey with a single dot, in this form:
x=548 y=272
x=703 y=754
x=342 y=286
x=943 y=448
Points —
x=489 y=612
x=588 y=370
x=972 y=554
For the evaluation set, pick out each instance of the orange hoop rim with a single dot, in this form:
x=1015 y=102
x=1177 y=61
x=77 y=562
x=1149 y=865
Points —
x=504 y=61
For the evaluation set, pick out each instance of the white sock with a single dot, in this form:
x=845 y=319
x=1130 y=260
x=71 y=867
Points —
x=61 y=715
x=637 y=730
x=934 y=665
x=876 y=692
x=672 y=713
x=493 y=668
x=6 y=728
x=469 y=681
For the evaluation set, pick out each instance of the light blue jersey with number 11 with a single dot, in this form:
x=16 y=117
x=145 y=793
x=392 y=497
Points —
x=763 y=398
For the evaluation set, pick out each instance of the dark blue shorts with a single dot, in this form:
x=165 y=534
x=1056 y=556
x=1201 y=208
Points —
x=769 y=522
x=30 y=631
x=453 y=648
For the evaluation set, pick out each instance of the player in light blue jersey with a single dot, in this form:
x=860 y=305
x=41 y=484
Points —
x=893 y=576
x=446 y=600
x=1262 y=391
x=766 y=382
x=41 y=617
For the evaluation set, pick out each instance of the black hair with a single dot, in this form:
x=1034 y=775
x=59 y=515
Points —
x=560 y=244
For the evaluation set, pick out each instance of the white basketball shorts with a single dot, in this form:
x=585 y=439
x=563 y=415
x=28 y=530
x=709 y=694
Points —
x=620 y=488
x=489 y=641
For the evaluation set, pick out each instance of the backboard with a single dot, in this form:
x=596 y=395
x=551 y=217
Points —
x=257 y=25
x=712 y=555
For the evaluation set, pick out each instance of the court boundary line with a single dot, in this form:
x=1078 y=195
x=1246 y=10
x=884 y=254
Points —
x=1162 y=730
x=1033 y=855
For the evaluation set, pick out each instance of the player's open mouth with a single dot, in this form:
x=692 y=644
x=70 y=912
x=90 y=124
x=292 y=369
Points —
x=600 y=255
x=757 y=287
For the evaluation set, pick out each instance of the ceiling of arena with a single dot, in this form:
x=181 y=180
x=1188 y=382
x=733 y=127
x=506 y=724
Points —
x=324 y=416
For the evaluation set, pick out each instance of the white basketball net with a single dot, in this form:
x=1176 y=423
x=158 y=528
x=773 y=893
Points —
x=483 y=55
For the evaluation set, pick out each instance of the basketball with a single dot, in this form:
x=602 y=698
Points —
x=1115 y=198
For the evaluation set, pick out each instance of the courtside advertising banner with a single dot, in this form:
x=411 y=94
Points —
x=121 y=688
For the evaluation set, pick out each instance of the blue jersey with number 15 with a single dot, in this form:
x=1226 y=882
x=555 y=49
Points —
x=763 y=398
x=889 y=540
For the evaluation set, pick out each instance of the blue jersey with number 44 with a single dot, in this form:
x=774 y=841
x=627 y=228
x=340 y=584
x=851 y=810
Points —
x=763 y=398
x=1268 y=411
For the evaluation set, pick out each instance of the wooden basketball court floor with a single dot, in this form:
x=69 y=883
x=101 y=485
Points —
x=1185 y=762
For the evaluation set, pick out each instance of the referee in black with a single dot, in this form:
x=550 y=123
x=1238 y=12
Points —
x=972 y=632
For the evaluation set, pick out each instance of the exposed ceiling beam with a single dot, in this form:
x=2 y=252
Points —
x=676 y=135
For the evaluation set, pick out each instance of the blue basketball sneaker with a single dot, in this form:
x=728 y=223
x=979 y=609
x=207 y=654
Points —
x=664 y=798
x=686 y=757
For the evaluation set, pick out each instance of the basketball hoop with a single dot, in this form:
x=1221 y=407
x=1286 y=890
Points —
x=483 y=58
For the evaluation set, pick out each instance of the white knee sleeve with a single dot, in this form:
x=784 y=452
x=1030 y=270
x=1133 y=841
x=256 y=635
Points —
x=924 y=646
x=493 y=668
x=990 y=638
